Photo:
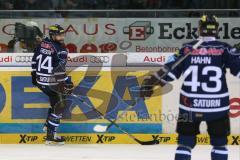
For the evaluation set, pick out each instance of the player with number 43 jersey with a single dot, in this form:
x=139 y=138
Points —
x=49 y=75
x=204 y=94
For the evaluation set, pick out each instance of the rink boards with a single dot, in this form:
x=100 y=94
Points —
x=106 y=138
x=110 y=84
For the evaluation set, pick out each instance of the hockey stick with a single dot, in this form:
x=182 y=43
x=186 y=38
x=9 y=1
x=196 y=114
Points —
x=116 y=125
x=103 y=128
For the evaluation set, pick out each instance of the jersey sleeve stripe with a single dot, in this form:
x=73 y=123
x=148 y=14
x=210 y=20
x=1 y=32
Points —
x=54 y=124
x=59 y=73
x=48 y=84
x=183 y=152
x=205 y=110
x=193 y=95
x=61 y=80
x=42 y=74
x=220 y=151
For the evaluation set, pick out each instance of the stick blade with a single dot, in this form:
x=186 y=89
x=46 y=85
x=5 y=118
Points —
x=100 y=128
x=153 y=142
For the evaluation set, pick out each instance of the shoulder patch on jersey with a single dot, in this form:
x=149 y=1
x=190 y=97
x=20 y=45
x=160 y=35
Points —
x=47 y=46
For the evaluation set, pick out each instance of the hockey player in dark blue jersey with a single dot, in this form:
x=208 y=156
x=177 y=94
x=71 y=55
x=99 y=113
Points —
x=204 y=94
x=49 y=75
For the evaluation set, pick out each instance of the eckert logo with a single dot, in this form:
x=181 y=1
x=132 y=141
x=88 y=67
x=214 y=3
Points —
x=189 y=31
x=6 y=59
x=139 y=30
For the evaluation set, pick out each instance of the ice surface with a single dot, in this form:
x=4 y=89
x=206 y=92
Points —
x=103 y=152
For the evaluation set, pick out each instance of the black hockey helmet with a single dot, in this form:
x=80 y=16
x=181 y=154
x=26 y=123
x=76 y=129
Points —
x=208 y=25
x=55 y=30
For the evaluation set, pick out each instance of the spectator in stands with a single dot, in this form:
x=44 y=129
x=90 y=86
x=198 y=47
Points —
x=112 y=4
x=165 y=4
x=118 y=4
x=68 y=4
x=153 y=4
x=91 y=4
x=204 y=4
x=123 y=4
x=6 y=4
x=33 y=5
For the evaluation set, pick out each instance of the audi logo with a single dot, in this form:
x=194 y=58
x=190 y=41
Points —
x=99 y=59
x=23 y=59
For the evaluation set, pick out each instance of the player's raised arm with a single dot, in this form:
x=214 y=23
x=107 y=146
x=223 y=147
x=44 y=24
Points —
x=162 y=76
x=171 y=71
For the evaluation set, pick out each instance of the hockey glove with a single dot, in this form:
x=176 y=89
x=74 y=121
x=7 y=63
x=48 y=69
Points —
x=146 y=89
x=68 y=88
x=148 y=84
x=34 y=77
x=65 y=88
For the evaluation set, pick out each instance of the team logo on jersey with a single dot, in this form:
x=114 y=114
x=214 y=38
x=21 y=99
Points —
x=45 y=51
x=205 y=51
x=47 y=46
